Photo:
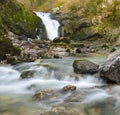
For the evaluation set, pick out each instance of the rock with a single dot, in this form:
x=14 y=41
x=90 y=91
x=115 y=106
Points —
x=44 y=94
x=110 y=69
x=78 y=50
x=87 y=33
x=62 y=39
x=32 y=87
x=29 y=54
x=84 y=22
x=58 y=111
x=38 y=61
x=68 y=88
x=75 y=97
x=22 y=37
x=56 y=9
x=12 y=59
x=6 y=47
x=11 y=35
x=57 y=56
x=42 y=46
x=27 y=74
x=77 y=45
x=59 y=50
x=85 y=66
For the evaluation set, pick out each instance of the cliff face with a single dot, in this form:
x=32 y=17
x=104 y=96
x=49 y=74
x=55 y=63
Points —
x=83 y=19
x=80 y=19
x=16 y=18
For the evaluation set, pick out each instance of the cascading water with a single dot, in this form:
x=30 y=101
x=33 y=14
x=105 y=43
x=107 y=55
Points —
x=16 y=93
x=50 y=25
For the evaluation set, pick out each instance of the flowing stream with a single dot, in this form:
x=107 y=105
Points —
x=50 y=25
x=92 y=96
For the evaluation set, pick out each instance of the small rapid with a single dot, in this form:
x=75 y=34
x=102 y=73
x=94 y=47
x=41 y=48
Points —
x=91 y=91
x=11 y=82
x=51 y=25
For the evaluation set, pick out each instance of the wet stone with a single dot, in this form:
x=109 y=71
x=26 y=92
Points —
x=45 y=94
x=68 y=88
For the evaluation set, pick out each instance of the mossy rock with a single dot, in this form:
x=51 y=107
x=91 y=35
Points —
x=6 y=47
x=62 y=44
x=86 y=33
x=78 y=45
x=62 y=39
x=16 y=18
x=84 y=66
x=27 y=74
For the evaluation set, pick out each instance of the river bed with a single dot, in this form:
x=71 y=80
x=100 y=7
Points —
x=92 y=96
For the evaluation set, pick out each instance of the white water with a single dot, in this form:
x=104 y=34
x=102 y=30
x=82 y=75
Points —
x=22 y=90
x=10 y=81
x=50 y=25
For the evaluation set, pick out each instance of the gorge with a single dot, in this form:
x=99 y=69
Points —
x=67 y=70
x=16 y=94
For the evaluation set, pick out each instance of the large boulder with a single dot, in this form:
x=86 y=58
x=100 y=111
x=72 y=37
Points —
x=110 y=69
x=84 y=66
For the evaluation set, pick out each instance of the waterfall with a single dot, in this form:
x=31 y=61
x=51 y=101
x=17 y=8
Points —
x=50 y=25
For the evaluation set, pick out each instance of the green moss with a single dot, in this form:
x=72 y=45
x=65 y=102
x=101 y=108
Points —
x=16 y=18
x=80 y=45
x=6 y=47
x=16 y=50
x=105 y=46
x=85 y=66
x=73 y=7
x=86 y=33
x=62 y=39
x=113 y=18
x=75 y=64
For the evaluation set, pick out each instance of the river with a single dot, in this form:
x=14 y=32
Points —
x=92 y=97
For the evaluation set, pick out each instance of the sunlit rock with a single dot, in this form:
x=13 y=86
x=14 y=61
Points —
x=110 y=69
x=68 y=88
x=44 y=95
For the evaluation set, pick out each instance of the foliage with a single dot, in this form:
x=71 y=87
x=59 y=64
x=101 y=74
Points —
x=16 y=18
x=6 y=47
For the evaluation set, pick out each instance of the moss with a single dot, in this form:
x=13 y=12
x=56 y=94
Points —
x=16 y=18
x=84 y=66
x=16 y=50
x=86 y=33
x=62 y=39
x=80 y=45
x=105 y=46
x=75 y=64
x=6 y=47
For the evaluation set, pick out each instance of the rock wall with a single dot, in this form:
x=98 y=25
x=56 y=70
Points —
x=16 y=18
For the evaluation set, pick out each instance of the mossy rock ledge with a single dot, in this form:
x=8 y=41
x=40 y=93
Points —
x=84 y=66
x=16 y=18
